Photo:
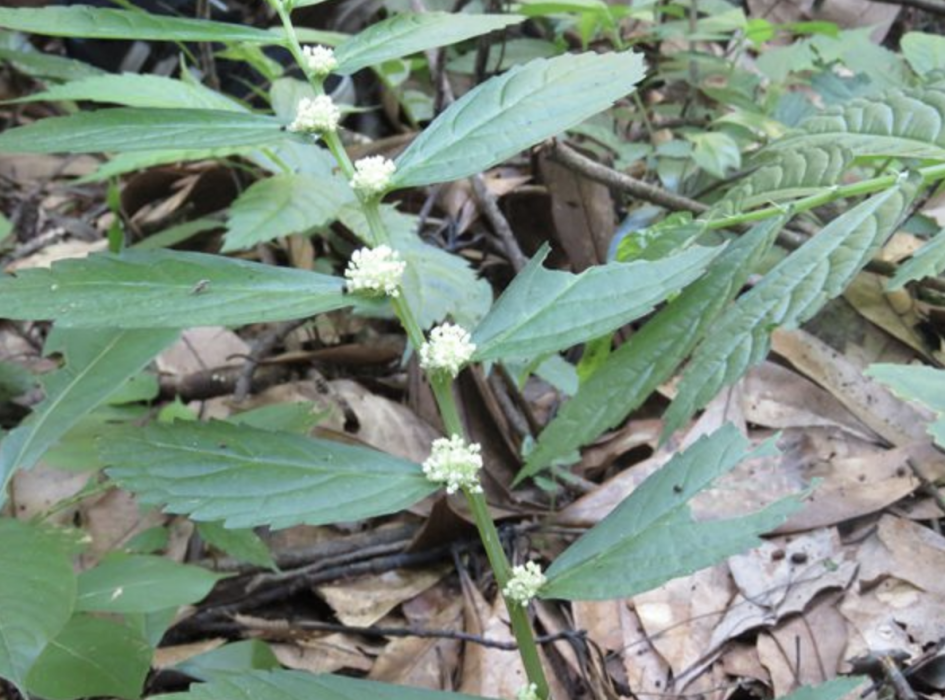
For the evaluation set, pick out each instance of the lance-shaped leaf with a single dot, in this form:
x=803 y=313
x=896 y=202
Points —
x=166 y=289
x=249 y=477
x=295 y=685
x=896 y=124
x=928 y=261
x=48 y=66
x=127 y=129
x=649 y=358
x=96 y=364
x=791 y=293
x=135 y=90
x=514 y=111
x=651 y=538
x=107 y=23
x=281 y=205
x=407 y=33
x=836 y=689
x=37 y=595
x=548 y=310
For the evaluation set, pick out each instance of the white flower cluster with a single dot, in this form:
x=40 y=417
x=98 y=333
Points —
x=320 y=59
x=448 y=349
x=372 y=175
x=455 y=464
x=375 y=271
x=316 y=114
x=528 y=692
x=524 y=584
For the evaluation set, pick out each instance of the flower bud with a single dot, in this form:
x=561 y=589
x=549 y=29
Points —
x=319 y=114
x=449 y=348
x=320 y=59
x=524 y=585
x=372 y=175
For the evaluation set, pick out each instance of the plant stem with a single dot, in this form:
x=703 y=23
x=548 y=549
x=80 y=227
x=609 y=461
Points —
x=442 y=391
x=832 y=194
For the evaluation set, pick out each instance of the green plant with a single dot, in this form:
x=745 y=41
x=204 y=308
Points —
x=114 y=312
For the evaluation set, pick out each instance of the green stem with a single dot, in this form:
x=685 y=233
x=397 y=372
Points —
x=876 y=184
x=442 y=391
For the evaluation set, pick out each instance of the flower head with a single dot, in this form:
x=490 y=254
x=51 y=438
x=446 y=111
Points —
x=320 y=59
x=527 y=692
x=316 y=114
x=376 y=271
x=524 y=584
x=455 y=464
x=448 y=349
x=372 y=175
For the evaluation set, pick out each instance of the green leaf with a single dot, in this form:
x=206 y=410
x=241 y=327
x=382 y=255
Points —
x=715 y=152
x=230 y=660
x=166 y=289
x=136 y=91
x=37 y=594
x=791 y=293
x=282 y=205
x=242 y=545
x=514 y=111
x=651 y=538
x=927 y=261
x=92 y=657
x=133 y=162
x=248 y=477
x=785 y=175
x=896 y=124
x=924 y=52
x=548 y=310
x=407 y=33
x=129 y=129
x=296 y=685
x=652 y=354
x=924 y=385
x=101 y=23
x=142 y=584
x=47 y=66
x=96 y=363
x=836 y=689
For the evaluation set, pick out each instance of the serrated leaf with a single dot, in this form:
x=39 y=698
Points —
x=927 y=261
x=105 y=23
x=408 y=33
x=96 y=363
x=791 y=293
x=514 y=111
x=37 y=595
x=896 y=124
x=925 y=385
x=785 y=175
x=127 y=129
x=142 y=584
x=283 y=205
x=136 y=90
x=42 y=65
x=243 y=545
x=248 y=477
x=548 y=310
x=650 y=538
x=166 y=289
x=92 y=657
x=296 y=685
x=651 y=355
x=133 y=162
